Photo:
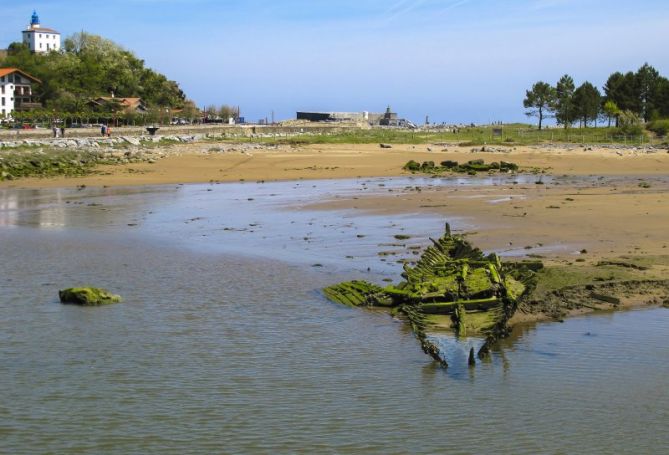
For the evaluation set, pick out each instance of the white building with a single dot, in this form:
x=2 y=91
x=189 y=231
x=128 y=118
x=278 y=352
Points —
x=16 y=92
x=41 y=39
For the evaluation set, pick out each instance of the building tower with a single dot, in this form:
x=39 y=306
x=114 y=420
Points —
x=40 y=39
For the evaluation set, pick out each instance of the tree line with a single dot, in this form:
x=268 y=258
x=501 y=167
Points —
x=629 y=100
x=90 y=66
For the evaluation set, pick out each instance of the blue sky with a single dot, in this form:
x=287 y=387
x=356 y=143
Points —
x=454 y=60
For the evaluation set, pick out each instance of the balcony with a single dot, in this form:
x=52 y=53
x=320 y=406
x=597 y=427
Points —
x=23 y=91
x=22 y=105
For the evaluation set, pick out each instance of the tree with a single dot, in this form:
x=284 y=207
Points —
x=647 y=84
x=226 y=112
x=211 y=111
x=621 y=89
x=540 y=101
x=190 y=111
x=663 y=98
x=611 y=110
x=91 y=66
x=565 y=113
x=587 y=103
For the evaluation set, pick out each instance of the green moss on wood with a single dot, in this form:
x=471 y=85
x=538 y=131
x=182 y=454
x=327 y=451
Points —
x=454 y=278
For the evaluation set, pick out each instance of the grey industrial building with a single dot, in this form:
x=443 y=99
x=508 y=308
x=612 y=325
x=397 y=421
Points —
x=387 y=118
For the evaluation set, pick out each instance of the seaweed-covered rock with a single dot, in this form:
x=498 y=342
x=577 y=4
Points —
x=412 y=166
x=449 y=164
x=88 y=297
x=471 y=167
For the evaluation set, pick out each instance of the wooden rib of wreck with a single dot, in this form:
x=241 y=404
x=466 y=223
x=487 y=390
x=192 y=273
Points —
x=478 y=292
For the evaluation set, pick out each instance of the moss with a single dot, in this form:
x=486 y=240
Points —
x=37 y=163
x=86 y=296
x=412 y=166
x=471 y=167
x=451 y=278
x=478 y=283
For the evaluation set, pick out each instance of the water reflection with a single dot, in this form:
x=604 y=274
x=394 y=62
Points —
x=62 y=208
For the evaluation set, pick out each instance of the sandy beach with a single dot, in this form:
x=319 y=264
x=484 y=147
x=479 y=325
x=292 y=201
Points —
x=202 y=162
x=589 y=198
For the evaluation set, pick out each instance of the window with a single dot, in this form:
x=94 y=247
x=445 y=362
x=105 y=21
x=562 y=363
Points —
x=3 y=101
x=2 y=90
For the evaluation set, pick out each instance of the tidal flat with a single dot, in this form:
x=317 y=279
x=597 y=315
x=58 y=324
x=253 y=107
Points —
x=225 y=342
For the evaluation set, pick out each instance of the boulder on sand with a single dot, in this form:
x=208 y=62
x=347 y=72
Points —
x=88 y=296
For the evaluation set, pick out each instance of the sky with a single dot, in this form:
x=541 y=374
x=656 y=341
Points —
x=457 y=61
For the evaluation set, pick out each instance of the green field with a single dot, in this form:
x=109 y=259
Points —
x=510 y=135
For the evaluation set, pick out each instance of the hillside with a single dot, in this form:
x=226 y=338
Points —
x=90 y=66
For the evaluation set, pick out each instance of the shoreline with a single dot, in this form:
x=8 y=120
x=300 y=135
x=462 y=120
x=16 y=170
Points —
x=590 y=208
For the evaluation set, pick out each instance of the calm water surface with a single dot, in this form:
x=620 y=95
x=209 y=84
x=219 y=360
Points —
x=225 y=345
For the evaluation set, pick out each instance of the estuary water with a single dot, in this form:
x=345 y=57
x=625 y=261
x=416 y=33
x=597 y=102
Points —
x=225 y=344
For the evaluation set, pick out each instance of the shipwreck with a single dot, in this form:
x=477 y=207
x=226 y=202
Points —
x=454 y=284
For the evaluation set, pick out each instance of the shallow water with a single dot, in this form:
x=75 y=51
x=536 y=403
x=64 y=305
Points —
x=225 y=345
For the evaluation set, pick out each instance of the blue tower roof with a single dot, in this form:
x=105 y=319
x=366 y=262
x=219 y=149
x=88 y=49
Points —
x=35 y=19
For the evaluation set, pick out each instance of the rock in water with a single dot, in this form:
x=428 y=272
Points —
x=88 y=297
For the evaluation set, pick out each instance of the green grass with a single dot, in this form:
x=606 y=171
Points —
x=511 y=135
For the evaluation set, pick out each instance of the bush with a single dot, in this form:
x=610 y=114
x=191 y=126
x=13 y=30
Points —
x=630 y=124
x=659 y=127
x=448 y=164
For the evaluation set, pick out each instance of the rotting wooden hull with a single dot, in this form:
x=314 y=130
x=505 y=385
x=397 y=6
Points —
x=452 y=278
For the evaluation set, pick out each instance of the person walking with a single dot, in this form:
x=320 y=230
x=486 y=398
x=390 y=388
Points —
x=62 y=131
x=55 y=131
x=108 y=131
x=103 y=130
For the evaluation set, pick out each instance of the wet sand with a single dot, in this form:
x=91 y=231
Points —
x=560 y=218
x=603 y=210
x=199 y=163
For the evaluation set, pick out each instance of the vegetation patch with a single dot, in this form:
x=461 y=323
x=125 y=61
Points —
x=471 y=167
x=39 y=163
x=87 y=296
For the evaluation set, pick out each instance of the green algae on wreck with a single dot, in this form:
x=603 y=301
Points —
x=88 y=296
x=452 y=278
